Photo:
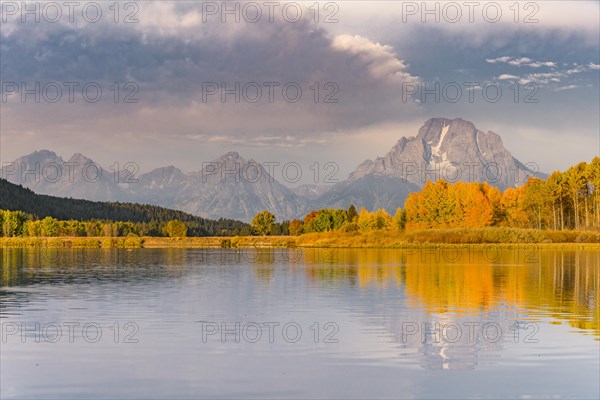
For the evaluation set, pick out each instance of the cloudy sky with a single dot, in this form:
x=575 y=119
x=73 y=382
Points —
x=293 y=81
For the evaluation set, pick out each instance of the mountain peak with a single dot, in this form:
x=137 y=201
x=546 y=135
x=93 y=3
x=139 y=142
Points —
x=43 y=154
x=451 y=149
x=80 y=159
x=432 y=128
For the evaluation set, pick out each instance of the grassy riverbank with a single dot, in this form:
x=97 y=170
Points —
x=149 y=242
x=505 y=237
x=450 y=237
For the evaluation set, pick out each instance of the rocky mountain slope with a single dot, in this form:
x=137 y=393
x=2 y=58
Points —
x=454 y=150
x=238 y=188
x=232 y=187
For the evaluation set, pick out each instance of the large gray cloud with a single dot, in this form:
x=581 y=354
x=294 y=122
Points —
x=369 y=55
x=359 y=82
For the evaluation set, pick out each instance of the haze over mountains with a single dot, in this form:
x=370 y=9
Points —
x=232 y=187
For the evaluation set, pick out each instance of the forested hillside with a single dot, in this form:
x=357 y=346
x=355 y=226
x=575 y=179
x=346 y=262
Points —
x=17 y=198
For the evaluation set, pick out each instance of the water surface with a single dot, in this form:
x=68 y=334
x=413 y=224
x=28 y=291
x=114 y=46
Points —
x=189 y=323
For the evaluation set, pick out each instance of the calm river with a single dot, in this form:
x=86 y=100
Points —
x=281 y=323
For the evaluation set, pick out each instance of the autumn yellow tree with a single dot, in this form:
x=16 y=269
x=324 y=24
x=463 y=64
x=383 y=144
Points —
x=175 y=228
x=383 y=219
x=494 y=198
x=514 y=210
x=537 y=203
x=365 y=220
x=594 y=179
x=473 y=209
x=295 y=227
x=430 y=208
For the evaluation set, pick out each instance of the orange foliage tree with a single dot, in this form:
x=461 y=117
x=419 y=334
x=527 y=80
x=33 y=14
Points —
x=462 y=205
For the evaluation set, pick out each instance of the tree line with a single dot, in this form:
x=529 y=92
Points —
x=568 y=200
x=17 y=223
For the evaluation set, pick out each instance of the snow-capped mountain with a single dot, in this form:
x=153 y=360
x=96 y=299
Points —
x=452 y=150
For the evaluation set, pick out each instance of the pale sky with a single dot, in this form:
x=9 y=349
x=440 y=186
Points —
x=367 y=72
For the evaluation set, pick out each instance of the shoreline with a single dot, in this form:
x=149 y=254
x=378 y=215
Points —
x=370 y=240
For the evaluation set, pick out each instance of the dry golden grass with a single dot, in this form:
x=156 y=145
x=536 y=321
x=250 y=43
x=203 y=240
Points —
x=504 y=237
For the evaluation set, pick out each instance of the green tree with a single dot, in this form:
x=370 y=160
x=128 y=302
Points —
x=352 y=214
x=309 y=219
x=12 y=223
x=32 y=228
x=281 y=229
x=263 y=222
x=50 y=227
x=324 y=221
x=382 y=219
x=109 y=229
x=93 y=228
x=176 y=228
x=339 y=218
x=399 y=219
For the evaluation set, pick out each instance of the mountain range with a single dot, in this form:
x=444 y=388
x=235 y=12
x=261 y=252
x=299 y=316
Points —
x=233 y=187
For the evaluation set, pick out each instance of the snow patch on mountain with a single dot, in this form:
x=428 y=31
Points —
x=436 y=150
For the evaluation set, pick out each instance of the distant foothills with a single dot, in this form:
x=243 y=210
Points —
x=235 y=188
